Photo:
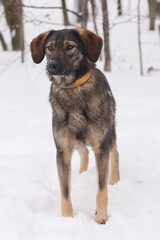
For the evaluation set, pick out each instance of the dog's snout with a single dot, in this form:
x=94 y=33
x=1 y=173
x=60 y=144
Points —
x=53 y=66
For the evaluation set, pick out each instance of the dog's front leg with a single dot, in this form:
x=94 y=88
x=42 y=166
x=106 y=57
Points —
x=102 y=164
x=64 y=173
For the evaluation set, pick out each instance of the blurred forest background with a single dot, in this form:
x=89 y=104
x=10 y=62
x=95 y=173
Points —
x=29 y=189
x=83 y=12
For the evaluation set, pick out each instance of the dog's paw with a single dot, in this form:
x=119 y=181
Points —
x=101 y=217
x=113 y=179
x=101 y=220
x=67 y=211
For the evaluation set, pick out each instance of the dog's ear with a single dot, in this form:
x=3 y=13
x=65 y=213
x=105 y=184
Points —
x=92 y=42
x=37 y=46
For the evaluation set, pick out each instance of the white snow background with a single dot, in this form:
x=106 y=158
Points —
x=29 y=188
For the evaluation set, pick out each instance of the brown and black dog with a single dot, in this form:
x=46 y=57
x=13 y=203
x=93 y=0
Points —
x=83 y=109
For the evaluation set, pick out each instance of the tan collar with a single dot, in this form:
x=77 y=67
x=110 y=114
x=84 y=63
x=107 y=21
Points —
x=80 y=81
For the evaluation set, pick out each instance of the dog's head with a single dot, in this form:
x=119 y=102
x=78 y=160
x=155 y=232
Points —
x=67 y=50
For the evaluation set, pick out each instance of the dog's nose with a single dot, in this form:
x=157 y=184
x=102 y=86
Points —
x=53 y=65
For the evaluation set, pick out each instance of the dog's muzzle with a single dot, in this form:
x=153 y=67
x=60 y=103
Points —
x=54 y=68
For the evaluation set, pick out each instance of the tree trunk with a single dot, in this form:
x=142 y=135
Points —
x=65 y=15
x=79 y=10
x=119 y=7
x=83 y=9
x=139 y=38
x=93 y=5
x=152 y=13
x=158 y=8
x=107 y=65
x=13 y=15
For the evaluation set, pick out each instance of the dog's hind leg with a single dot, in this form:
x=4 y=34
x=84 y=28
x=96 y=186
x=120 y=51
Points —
x=114 y=161
x=83 y=152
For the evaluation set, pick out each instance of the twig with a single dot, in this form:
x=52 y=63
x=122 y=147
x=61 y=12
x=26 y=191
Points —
x=37 y=22
x=4 y=45
x=128 y=20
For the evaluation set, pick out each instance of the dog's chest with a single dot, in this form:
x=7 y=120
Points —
x=82 y=114
x=70 y=110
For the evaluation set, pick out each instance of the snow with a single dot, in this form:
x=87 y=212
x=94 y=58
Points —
x=29 y=187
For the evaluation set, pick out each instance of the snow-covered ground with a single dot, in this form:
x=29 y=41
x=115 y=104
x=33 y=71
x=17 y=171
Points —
x=29 y=188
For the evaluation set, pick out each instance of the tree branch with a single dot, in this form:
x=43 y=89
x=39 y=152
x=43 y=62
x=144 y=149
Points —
x=41 y=7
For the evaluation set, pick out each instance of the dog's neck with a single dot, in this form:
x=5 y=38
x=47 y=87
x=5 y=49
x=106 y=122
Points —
x=79 y=81
x=69 y=82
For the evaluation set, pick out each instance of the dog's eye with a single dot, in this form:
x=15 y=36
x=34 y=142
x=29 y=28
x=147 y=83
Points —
x=69 y=47
x=50 y=48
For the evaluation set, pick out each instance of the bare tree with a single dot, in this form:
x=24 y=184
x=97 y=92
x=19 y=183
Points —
x=65 y=15
x=78 y=7
x=107 y=65
x=158 y=8
x=119 y=7
x=93 y=5
x=152 y=13
x=139 y=38
x=13 y=14
x=83 y=9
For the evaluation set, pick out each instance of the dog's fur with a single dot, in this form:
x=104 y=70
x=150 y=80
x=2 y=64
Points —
x=82 y=116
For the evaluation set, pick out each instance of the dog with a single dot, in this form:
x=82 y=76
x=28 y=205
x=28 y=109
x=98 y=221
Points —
x=83 y=109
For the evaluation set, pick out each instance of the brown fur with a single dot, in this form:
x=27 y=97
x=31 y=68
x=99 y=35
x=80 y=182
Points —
x=82 y=116
x=37 y=46
x=93 y=44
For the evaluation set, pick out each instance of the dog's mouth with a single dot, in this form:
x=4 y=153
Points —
x=58 y=73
